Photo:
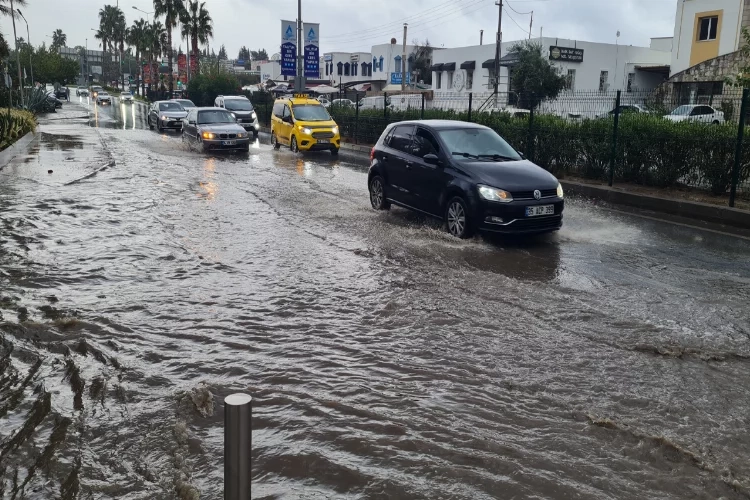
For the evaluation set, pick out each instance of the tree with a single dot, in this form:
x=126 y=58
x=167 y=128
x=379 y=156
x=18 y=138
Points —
x=5 y=6
x=421 y=58
x=533 y=77
x=138 y=40
x=154 y=42
x=172 y=10
x=742 y=78
x=222 y=53
x=59 y=39
x=244 y=54
x=198 y=27
x=259 y=55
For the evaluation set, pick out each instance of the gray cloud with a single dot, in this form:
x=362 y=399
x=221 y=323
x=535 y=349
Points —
x=350 y=26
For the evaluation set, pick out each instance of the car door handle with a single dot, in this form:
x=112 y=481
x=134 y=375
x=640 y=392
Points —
x=409 y=164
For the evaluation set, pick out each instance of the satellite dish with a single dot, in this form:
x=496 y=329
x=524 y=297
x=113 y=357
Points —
x=276 y=57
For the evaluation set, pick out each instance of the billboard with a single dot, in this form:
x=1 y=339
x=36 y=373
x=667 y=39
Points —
x=182 y=68
x=311 y=33
x=288 y=48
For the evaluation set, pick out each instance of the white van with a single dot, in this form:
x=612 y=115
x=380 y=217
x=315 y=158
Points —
x=373 y=102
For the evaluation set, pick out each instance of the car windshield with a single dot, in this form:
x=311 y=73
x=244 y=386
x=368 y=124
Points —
x=683 y=110
x=125 y=94
x=186 y=103
x=170 y=106
x=103 y=94
x=477 y=143
x=311 y=113
x=238 y=105
x=215 y=116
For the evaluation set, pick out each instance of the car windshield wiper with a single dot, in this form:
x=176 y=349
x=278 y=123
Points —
x=465 y=155
x=499 y=157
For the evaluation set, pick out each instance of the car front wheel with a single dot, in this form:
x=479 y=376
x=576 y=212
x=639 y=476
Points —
x=457 y=218
x=377 y=194
x=275 y=142
x=294 y=147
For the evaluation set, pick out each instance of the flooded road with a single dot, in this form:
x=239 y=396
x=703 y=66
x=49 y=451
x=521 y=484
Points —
x=141 y=282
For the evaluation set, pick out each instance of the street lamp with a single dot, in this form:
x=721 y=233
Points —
x=147 y=13
x=28 y=39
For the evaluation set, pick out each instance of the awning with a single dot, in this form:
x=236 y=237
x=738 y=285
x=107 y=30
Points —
x=449 y=66
x=469 y=65
x=489 y=63
x=510 y=59
x=436 y=67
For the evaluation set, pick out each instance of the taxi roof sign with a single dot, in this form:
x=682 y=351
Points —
x=301 y=96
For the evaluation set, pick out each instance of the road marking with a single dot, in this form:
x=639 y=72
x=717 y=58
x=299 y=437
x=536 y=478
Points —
x=716 y=231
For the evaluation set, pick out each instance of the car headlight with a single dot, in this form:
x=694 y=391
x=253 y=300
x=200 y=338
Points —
x=163 y=117
x=493 y=194
x=241 y=135
x=234 y=116
x=254 y=116
x=305 y=130
x=560 y=191
x=207 y=135
x=335 y=130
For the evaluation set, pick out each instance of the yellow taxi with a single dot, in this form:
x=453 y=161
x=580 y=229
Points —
x=303 y=124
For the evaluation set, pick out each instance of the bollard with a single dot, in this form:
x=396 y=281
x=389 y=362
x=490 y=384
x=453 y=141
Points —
x=238 y=441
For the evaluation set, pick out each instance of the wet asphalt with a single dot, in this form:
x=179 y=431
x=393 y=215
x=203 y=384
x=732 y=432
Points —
x=142 y=281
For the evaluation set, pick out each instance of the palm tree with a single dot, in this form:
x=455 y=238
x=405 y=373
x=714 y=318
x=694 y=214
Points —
x=154 y=41
x=5 y=7
x=120 y=34
x=197 y=26
x=137 y=40
x=59 y=38
x=172 y=10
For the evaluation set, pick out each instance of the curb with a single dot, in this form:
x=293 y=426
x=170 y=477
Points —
x=7 y=155
x=690 y=209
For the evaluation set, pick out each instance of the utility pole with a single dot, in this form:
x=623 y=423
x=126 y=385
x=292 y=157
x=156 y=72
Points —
x=28 y=39
x=403 y=62
x=481 y=36
x=531 y=23
x=18 y=52
x=498 y=49
x=299 y=81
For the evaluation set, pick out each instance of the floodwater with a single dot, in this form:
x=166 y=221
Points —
x=141 y=282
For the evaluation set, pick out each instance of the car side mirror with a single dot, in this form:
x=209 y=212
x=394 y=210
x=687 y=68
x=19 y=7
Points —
x=288 y=119
x=431 y=159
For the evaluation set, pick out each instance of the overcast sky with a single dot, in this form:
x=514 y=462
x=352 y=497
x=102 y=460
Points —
x=356 y=25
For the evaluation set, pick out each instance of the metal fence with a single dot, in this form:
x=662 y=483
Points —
x=662 y=138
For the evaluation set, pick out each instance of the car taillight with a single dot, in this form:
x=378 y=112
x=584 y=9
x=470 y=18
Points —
x=372 y=154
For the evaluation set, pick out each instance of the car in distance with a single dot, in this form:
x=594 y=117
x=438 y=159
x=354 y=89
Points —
x=166 y=114
x=95 y=89
x=242 y=109
x=61 y=92
x=82 y=91
x=464 y=174
x=324 y=101
x=625 y=109
x=103 y=98
x=215 y=129
x=701 y=113
x=186 y=104
x=126 y=97
x=342 y=103
x=303 y=124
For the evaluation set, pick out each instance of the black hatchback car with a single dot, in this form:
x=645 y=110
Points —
x=465 y=174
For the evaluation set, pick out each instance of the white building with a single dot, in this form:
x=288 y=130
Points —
x=271 y=70
x=705 y=29
x=587 y=65
x=346 y=67
x=386 y=66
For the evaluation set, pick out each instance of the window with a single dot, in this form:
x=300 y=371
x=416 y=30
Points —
x=375 y=63
x=424 y=143
x=707 y=28
x=603 y=81
x=364 y=69
x=570 y=80
x=401 y=138
x=340 y=67
x=354 y=69
x=346 y=69
x=397 y=67
x=287 y=113
x=380 y=64
x=450 y=79
x=469 y=79
x=438 y=79
x=631 y=81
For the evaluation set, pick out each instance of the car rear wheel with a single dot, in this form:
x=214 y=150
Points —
x=294 y=147
x=377 y=194
x=457 y=218
x=275 y=142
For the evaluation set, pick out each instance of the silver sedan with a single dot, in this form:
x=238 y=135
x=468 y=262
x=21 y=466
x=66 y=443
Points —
x=215 y=129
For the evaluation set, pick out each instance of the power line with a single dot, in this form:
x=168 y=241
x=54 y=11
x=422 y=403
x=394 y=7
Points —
x=514 y=10
x=514 y=22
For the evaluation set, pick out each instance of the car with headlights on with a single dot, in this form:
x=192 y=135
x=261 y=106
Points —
x=466 y=175
x=103 y=98
x=303 y=124
x=126 y=97
x=215 y=129
x=166 y=115
x=95 y=89
x=241 y=107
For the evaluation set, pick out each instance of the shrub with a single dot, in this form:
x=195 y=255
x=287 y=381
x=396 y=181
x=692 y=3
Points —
x=204 y=89
x=14 y=124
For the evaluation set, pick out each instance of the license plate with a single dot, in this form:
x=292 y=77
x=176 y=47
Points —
x=228 y=143
x=540 y=210
x=323 y=141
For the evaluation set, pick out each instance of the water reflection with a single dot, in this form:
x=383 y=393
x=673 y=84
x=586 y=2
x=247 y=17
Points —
x=209 y=185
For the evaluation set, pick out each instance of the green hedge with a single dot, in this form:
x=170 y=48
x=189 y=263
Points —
x=14 y=124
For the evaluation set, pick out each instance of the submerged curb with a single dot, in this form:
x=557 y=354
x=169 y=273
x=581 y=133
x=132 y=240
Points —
x=18 y=147
x=704 y=212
